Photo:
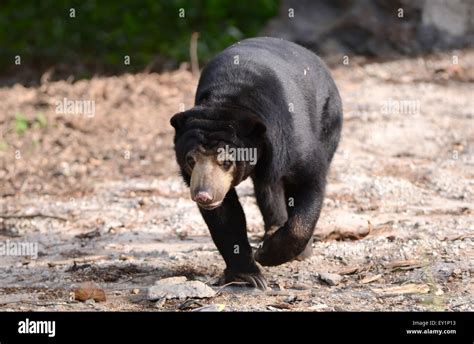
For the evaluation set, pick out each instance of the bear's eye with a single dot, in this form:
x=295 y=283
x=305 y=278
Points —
x=190 y=161
x=226 y=164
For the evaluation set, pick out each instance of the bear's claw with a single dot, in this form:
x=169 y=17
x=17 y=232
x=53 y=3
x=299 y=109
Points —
x=255 y=279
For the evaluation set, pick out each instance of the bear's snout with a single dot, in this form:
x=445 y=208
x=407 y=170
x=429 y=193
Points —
x=202 y=197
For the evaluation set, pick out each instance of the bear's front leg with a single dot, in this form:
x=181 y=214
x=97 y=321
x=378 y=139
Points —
x=291 y=240
x=229 y=232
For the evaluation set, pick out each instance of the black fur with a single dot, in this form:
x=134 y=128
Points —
x=280 y=99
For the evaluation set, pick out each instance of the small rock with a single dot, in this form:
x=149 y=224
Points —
x=89 y=235
x=9 y=231
x=144 y=201
x=331 y=279
x=160 y=303
x=90 y=302
x=113 y=226
x=178 y=288
x=210 y=308
x=135 y=291
x=317 y=307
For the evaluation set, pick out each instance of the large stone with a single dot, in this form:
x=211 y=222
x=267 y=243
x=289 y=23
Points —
x=453 y=16
x=383 y=28
x=179 y=288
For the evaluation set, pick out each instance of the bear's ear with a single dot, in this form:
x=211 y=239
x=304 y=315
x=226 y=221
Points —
x=178 y=120
x=254 y=127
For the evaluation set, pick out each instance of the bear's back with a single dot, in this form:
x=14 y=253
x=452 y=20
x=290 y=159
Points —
x=265 y=70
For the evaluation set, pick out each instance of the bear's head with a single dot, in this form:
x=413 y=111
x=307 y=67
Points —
x=216 y=148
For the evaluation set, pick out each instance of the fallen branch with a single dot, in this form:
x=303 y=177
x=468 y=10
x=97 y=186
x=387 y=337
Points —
x=403 y=290
x=31 y=216
x=405 y=264
x=193 y=53
x=80 y=260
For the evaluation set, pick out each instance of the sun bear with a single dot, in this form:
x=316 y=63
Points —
x=267 y=109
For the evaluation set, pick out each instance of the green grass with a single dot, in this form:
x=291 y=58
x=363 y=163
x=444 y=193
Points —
x=21 y=124
x=3 y=146
x=40 y=122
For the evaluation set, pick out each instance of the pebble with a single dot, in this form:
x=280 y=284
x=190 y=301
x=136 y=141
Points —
x=331 y=279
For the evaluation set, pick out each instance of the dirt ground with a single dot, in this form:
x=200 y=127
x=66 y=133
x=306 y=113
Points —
x=102 y=198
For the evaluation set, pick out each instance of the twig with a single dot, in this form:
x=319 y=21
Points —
x=42 y=303
x=193 y=53
x=228 y=284
x=80 y=260
x=31 y=216
x=212 y=279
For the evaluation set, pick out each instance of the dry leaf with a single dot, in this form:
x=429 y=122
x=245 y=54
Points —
x=88 y=291
x=343 y=234
x=355 y=269
x=403 y=289
x=350 y=270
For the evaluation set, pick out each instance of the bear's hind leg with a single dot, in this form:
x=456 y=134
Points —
x=272 y=204
x=308 y=251
x=292 y=239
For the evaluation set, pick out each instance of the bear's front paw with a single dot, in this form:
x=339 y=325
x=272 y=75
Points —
x=255 y=279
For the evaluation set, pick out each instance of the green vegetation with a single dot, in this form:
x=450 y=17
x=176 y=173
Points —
x=102 y=33
x=40 y=122
x=22 y=124
x=3 y=146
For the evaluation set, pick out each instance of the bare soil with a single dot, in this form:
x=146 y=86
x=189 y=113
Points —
x=102 y=198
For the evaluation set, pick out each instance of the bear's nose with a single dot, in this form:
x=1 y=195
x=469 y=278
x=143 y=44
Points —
x=203 y=197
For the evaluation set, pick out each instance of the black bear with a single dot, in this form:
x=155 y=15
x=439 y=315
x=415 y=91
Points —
x=268 y=109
